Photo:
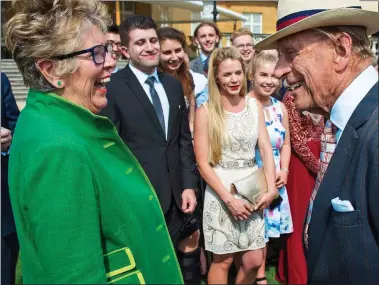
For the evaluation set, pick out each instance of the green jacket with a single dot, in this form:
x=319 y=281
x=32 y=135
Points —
x=84 y=209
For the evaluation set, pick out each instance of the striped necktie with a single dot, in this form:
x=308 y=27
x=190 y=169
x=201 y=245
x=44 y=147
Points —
x=328 y=145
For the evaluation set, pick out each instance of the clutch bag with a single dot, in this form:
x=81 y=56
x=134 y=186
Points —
x=251 y=187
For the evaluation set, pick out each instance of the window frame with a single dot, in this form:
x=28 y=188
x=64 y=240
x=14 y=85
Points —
x=250 y=24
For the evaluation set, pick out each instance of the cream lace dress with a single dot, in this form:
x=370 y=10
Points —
x=223 y=234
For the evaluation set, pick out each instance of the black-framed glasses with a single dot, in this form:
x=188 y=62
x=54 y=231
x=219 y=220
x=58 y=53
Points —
x=98 y=53
x=116 y=49
x=114 y=44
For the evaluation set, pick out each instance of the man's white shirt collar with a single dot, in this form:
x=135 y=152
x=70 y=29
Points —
x=350 y=98
x=203 y=57
x=141 y=76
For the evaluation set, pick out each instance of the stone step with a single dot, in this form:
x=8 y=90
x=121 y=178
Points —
x=19 y=87
x=16 y=79
x=10 y=70
x=20 y=91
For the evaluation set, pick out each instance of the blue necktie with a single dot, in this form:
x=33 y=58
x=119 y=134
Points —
x=156 y=102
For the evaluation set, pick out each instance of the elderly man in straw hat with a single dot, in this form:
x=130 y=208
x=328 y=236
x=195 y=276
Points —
x=326 y=59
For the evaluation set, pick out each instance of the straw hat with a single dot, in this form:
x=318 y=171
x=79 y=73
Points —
x=298 y=15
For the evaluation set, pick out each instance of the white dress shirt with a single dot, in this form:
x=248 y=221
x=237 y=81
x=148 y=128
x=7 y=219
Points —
x=200 y=81
x=141 y=76
x=350 y=98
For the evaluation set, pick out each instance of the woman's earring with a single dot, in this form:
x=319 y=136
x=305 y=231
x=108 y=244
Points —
x=59 y=83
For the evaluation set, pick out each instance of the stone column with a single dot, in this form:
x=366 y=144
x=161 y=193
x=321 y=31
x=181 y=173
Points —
x=207 y=14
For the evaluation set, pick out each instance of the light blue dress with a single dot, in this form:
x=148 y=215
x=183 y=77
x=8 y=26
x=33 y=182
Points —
x=277 y=221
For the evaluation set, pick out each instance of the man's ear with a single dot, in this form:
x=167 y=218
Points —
x=125 y=52
x=47 y=68
x=343 y=47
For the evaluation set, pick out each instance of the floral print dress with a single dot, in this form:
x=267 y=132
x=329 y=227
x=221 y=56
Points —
x=278 y=220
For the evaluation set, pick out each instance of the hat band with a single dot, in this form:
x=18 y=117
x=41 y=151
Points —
x=298 y=16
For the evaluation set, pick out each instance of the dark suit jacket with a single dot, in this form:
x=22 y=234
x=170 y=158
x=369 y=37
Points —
x=344 y=246
x=169 y=164
x=9 y=116
x=197 y=65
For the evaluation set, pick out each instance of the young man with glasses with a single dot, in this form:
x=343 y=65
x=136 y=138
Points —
x=242 y=39
x=113 y=37
x=148 y=109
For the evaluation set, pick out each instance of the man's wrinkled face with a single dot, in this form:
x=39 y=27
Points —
x=306 y=62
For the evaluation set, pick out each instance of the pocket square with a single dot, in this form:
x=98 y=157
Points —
x=342 y=205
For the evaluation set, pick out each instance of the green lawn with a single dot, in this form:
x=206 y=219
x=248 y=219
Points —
x=270 y=273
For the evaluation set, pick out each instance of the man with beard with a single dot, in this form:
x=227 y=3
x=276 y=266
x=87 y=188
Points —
x=207 y=36
x=150 y=114
x=325 y=50
x=242 y=39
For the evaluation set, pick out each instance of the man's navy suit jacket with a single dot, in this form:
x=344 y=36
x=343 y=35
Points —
x=343 y=247
x=9 y=116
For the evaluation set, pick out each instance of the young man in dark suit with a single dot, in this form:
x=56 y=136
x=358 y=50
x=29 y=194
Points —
x=9 y=241
x=325 y=52
x=149 y=112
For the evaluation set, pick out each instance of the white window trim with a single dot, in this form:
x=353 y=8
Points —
x=194 y=25
x=250 y=23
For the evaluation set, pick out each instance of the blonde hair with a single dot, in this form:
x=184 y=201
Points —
x=216 y=112
x=42 y=29
x=264 y=56
x=241 y=32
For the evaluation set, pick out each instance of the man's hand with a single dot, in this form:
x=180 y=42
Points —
x=6 y=139
x=188 y=201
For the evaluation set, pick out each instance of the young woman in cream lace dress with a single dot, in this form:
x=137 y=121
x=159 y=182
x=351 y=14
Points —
x=227 y=129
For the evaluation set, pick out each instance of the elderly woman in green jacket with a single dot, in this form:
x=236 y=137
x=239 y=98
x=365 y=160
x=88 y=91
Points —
x=84 y=210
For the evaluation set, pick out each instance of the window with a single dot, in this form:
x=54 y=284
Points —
x=254 y=22
x=164 y=16
x=126 y=9
x=195 y=16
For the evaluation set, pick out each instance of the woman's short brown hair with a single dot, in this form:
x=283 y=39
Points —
x=42 y=29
